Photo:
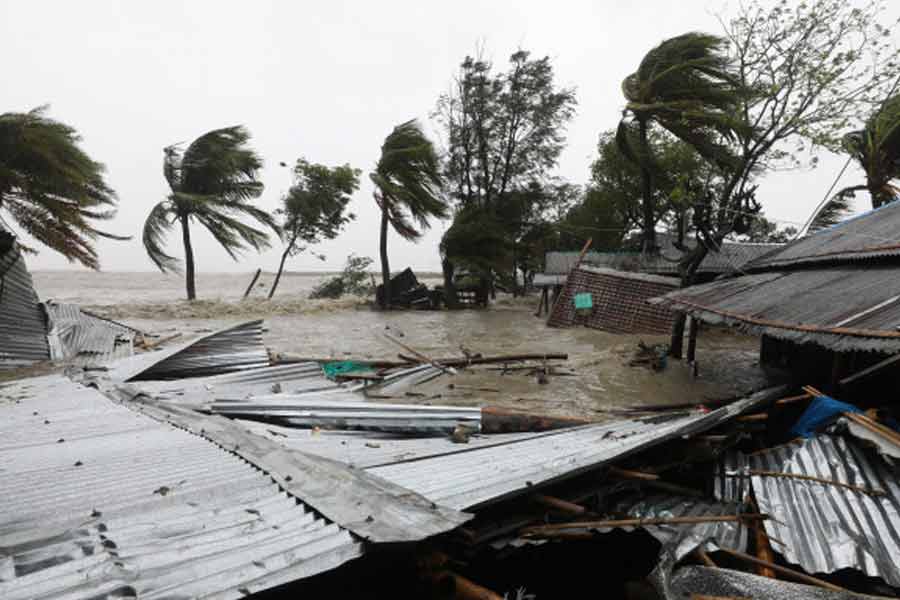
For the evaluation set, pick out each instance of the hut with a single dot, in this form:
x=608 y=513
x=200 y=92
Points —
x=613 y=301
x=827 y=306
x=730 y=258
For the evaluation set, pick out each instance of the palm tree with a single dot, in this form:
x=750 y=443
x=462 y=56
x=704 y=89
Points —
x=407 y=190
x=50 y=187
x=685 y=85
x=212 y=182
x=876 y=149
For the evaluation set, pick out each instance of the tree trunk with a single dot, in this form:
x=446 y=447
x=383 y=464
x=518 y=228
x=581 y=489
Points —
x=689 y=272
x=450 y=297
x=188 y=259
x=385 y=268
x=284 y=256
x=649 y=225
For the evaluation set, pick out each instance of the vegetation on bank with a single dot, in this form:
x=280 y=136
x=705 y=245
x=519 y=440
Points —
x=705 y=117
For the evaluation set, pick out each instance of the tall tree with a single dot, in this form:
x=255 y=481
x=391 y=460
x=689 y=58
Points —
x=504 y=133
x=314 y=209
x=807 y=73
x=503 y=130
x=51 y=188
x=685 y=85
x=408 y=188
x=212 y=182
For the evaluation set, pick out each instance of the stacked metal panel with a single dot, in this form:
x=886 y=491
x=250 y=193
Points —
x=102 y=501
x=825 y=527
x=23 y=324
x=303 y=411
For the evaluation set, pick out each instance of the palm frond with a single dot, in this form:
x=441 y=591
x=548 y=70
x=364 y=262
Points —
x=51 y=187
x=159 y=222
x=219 y=163
x=408 y=179
x=835 y=210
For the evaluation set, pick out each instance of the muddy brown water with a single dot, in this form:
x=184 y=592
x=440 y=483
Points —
x=600 y=377
x=601 y=380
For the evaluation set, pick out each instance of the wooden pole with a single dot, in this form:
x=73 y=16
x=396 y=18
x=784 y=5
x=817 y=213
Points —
x=855 y=488
x=783 y=570
x=252 y=283
x=891 y=360
x=421 y=356
x=763 y=547
x=692 y=340
x=560 y=504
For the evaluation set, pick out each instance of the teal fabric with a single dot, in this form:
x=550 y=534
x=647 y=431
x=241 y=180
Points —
x=333 y=369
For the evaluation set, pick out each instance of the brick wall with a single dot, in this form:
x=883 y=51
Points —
x=619 y=301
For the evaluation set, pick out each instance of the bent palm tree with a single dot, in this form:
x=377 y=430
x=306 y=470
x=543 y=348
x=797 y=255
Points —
x=685 y=85
x=876 y=148
x=212 y=182
x=51 y=188
x=407 y=190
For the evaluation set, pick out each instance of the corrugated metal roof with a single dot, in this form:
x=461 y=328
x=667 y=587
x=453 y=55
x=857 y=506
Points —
x=303 y=411
x=825 y=528
x=875 y=234
x=474 y=477
x=23 y=324
x=101 y=501
x=731 y=257
x=705 y=582
x=230 y=349
x=842 y=308
x=85 y=339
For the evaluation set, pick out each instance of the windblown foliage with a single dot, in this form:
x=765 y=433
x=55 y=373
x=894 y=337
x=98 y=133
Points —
x=213 y=182
x=408 y=189
x=51 y=188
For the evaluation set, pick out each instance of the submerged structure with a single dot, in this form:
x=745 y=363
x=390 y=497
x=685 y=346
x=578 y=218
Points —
x=827 y=306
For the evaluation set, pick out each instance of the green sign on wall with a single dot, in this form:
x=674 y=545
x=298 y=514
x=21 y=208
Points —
x=584 y=300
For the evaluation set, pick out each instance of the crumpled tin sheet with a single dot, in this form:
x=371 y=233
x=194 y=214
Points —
x=825 y=527
x=469 y=478
x=85 y=339
x=102 y=501
x=680 y=540
x=233 y=348
x=693 y=581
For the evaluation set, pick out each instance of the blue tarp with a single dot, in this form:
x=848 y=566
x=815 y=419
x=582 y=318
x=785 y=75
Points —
x=821 y=411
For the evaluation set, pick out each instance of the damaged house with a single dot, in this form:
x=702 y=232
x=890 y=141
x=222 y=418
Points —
x=32 y=331
x=610 y=290
x=827 y=306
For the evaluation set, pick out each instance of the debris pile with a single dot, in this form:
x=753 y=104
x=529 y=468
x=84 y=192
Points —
x=777 y=494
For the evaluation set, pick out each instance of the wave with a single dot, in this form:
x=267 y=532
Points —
x=214 y=309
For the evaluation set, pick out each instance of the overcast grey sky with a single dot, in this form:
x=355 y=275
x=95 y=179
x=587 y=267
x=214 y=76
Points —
x=326 y=80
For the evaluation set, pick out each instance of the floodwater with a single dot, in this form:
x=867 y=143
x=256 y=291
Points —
x=600 y=383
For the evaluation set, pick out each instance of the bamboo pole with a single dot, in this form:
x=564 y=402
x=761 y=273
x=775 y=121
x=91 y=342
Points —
x=855 y=488
x=874 y=426
x=560 y=504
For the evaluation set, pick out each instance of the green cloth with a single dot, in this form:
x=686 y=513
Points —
x=333 y=369
x=584 y=300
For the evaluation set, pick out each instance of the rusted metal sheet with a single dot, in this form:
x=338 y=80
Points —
x=841 y=308
x=871 y=235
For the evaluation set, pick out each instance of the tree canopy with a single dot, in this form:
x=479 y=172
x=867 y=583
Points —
x=51 y=188
x=212 y=182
